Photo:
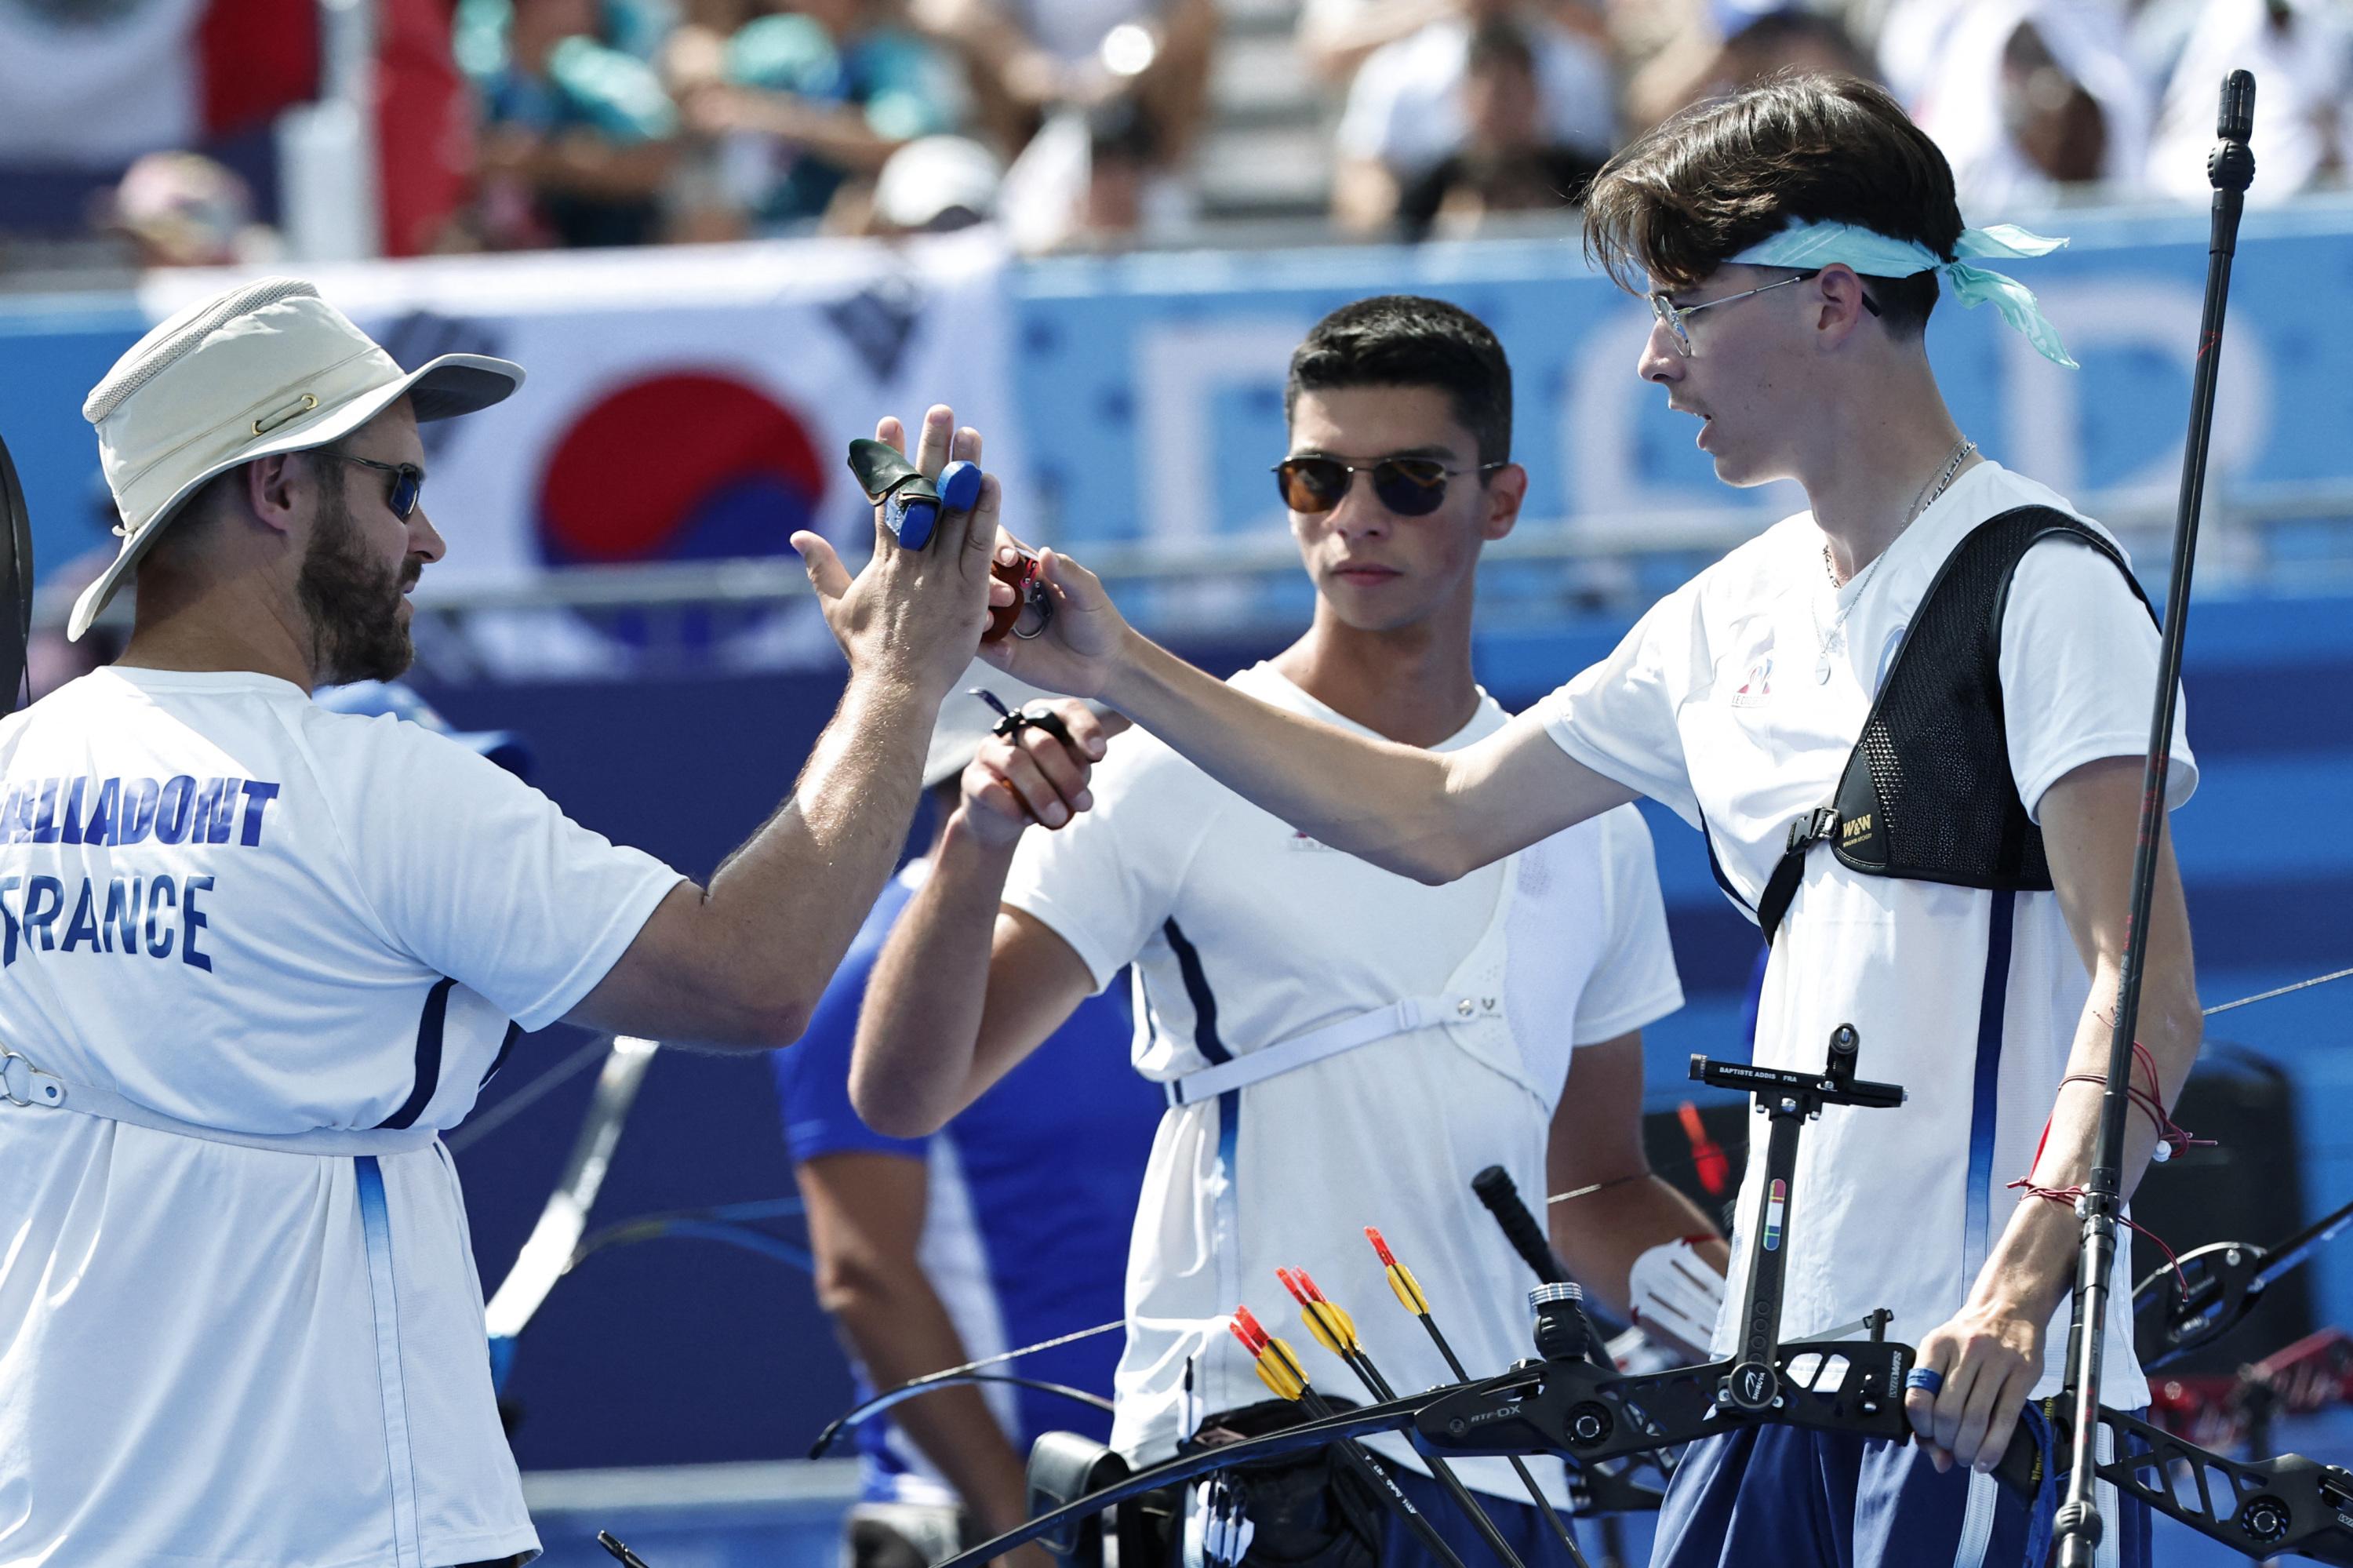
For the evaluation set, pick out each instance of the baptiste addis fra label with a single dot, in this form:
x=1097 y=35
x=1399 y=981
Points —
x=1777 y=1203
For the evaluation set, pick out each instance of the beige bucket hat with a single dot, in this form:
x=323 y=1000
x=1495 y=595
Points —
x=267 y=367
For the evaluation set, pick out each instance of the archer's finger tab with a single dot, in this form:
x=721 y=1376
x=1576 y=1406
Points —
x=910 y=504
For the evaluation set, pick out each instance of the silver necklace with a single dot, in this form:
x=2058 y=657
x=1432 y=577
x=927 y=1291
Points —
x=1832 y=639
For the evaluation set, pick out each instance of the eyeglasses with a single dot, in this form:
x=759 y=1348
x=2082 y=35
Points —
x=1672 y=315
x=1409 y=486
x=407 y=484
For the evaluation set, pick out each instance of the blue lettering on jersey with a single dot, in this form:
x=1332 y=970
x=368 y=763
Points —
x=191 y=922
x=45 y=821
x=128 y=810
x=159 y=892
x=257 y=797
x=44 y=896
x=83 y=926
x=172 y=808
x=99 y=828
x=168 y=914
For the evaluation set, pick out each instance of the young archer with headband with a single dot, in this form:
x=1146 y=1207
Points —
x=1965 y=908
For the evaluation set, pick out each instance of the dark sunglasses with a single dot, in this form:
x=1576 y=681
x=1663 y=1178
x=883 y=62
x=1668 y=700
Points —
x=1409 y=486
x=407 y=483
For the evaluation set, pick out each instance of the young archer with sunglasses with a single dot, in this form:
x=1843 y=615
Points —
x=1340 y=1045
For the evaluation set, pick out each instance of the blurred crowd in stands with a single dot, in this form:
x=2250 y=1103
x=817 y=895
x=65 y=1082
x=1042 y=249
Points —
x=1101 y=123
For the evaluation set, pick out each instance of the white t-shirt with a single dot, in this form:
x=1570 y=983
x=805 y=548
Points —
x=1244 y=932
x=245 y=912
x=1711 y=704
x=1405 y=106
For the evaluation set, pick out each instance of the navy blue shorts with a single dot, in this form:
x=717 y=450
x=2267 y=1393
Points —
x=1792 y=1498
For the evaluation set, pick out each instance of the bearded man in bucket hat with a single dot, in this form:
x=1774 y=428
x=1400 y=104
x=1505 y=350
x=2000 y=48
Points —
x=255 y=955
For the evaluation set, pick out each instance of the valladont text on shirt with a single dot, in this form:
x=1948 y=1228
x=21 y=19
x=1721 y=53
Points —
x=155 y=915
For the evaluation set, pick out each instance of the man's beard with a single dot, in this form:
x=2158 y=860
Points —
x=353 y=603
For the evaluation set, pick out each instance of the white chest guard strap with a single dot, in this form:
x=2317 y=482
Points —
x=1320 y=1045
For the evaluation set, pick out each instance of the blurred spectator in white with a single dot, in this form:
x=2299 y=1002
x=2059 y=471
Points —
x=578 y=138
x=1091 y=180
x=1730 y=45
x=805 y=106
x=2302 y=54
x=933 y=185
x=183 y=209
x=1030 y=59
x=1507 y=162
x=2028 y=98
x=1407 y=111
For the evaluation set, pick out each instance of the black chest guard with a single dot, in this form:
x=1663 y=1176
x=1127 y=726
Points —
x=1927 y=793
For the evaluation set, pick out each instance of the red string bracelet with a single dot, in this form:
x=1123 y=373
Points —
x=2172 y=1138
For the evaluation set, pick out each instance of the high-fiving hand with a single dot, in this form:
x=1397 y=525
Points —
x=915 y=613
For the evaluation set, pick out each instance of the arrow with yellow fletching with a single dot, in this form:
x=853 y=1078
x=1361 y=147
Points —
x=1407 y=1290
x=1279 y=1369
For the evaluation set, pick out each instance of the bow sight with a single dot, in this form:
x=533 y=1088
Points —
x=1565 y=1404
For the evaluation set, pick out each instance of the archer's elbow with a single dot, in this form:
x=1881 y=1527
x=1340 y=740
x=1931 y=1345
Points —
x=765 y=1017
x=891 y=1107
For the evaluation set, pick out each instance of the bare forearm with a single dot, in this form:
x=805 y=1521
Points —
x=902 y=1330
x=913 y=1065
x=1384 y=802
x=1600 y=1234
x=2032 y=1268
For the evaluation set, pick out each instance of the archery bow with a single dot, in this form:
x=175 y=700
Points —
x=1564 y=1404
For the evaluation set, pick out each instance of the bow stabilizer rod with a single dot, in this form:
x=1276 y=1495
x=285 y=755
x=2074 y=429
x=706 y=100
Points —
x=2232 y=168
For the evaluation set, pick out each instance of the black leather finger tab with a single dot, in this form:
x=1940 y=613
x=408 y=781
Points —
x=885 y=472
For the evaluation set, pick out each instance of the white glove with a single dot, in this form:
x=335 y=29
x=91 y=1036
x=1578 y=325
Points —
x=1677 y=1296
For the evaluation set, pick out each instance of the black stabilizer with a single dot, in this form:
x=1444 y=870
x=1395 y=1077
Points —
x=1496 y=1188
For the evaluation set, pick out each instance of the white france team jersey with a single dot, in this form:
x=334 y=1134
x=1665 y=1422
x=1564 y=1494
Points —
x=1969 y=999
x=242 y=911
x=1245 y=932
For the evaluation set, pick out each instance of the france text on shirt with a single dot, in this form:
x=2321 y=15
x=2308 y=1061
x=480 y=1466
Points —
x=155 y=916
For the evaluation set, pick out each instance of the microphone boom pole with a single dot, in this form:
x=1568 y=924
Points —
x=2232 y=168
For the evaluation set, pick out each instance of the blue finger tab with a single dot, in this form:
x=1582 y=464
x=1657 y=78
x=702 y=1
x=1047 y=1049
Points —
x=1926 y=1378
x=959 y=485
x=912 y=520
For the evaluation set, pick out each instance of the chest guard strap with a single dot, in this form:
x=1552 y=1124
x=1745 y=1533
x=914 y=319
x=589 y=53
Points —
x=1927 y=793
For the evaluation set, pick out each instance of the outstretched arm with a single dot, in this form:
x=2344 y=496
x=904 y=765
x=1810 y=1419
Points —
x=1432 y=816
x=964 y=990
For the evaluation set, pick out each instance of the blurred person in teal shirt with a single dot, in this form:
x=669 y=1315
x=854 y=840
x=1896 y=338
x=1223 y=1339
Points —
x=579 y=138
x=801 y=105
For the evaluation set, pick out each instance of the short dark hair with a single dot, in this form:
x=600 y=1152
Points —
x=1710 y=182
x=1405 y=340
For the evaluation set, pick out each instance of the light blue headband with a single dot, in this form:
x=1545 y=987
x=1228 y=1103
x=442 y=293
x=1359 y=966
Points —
x=1875 y=255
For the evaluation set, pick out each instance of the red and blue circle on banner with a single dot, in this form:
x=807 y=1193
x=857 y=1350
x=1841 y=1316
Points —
x=685 y=465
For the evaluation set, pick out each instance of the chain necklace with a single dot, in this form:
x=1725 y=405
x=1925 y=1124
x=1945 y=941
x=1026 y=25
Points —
x=1832 y=638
